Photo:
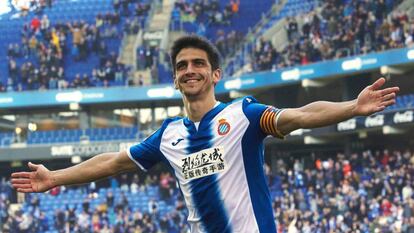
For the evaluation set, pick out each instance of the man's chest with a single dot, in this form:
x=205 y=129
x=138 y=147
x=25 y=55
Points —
x=208 y=150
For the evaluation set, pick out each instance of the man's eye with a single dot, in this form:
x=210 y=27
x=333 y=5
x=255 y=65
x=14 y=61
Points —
x=180 y=66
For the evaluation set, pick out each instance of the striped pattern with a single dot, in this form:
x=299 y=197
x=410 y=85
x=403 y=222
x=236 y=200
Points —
x=224 y=128
x=268 y=122
x=234 y=200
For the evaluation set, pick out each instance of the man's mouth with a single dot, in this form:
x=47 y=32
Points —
x=192 y=80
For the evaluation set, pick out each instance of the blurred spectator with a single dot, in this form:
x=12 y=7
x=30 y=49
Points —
x=2 y=88
x=166 y=181
x=35 y=24
x=135 y=184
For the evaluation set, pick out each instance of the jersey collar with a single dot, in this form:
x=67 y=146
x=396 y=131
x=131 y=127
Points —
x=206 y=118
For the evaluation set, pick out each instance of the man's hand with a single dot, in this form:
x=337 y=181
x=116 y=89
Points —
x=373 y=99
x=322 y=113
x=38 y=180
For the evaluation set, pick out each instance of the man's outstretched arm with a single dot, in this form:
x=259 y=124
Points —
x=40 y=179
x=322 y=113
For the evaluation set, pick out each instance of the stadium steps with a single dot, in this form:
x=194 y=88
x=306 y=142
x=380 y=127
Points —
x=128 y=51
x=146 y=75
x=274 y=29
x=161 y=19
x=407 y=6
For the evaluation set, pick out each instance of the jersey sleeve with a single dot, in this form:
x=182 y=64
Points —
x=264 y=117
x=147 y=153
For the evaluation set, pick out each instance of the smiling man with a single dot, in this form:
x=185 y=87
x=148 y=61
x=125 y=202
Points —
x=216 y=152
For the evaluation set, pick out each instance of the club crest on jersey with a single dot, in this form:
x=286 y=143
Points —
x=223 y=127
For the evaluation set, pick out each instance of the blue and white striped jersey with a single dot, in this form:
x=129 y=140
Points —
x=219 y=165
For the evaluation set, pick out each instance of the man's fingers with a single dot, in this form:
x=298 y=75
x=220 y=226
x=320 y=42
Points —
x=21 y=175
x=25 y=190
x=389 y=90
x=389 y=102
x=388 y=96
x=377 y=84
x=379 y=109
x=24 y=186
x=20 y=181
x=33 y=166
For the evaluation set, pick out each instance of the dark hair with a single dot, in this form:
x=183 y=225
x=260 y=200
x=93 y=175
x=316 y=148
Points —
x=193 y=41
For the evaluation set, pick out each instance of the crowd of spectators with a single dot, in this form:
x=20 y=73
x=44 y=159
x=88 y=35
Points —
x=228 y=43
x=139 y=8
x=208 y=11
x=341 y=29
x=134 y=11
x=370 y=191
x=36 y=6
x=5 y=196
x=38 y=62
x=44 y=47
x=147 y=56
x=114 y=214
x=207 y=14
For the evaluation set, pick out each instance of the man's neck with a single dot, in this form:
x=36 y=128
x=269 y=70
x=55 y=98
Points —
x=196 y=109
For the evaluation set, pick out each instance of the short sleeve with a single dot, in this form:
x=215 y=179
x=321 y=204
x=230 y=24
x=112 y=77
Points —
x=264 y=117
x=147 y=153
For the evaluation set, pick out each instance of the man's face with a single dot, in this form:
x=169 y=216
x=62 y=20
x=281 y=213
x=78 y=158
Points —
x=193 y=73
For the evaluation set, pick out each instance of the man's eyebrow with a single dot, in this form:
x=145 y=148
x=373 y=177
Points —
x=192 y=60
x=199 y=59
x=181 y=62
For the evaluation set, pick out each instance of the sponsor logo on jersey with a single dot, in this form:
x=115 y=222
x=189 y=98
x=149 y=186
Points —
x=203 y=163
x=223 y=127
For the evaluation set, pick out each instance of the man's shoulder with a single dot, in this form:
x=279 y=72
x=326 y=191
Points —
x=171 y=120
x=249 y=106
x=167 y=122
x=244 y=100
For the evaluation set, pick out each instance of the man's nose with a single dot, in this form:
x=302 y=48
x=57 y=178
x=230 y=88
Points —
x=190 y=69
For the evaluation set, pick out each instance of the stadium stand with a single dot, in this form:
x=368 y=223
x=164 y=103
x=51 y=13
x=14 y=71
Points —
x=76 y=135
x=79 y=49
x=324 y=34
x=362 y=188
x=403 y=102
x=225 y=22
x=368 y=191
x=6 y=139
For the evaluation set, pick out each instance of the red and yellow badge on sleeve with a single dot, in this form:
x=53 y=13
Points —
x=268 y=122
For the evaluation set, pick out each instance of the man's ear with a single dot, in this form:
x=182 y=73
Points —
x=216 y=76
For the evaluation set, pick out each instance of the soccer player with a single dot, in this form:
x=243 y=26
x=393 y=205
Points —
x=216 y=152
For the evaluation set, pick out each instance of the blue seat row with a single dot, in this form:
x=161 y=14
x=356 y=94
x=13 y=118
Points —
x=97 y=134
x=6 y=139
